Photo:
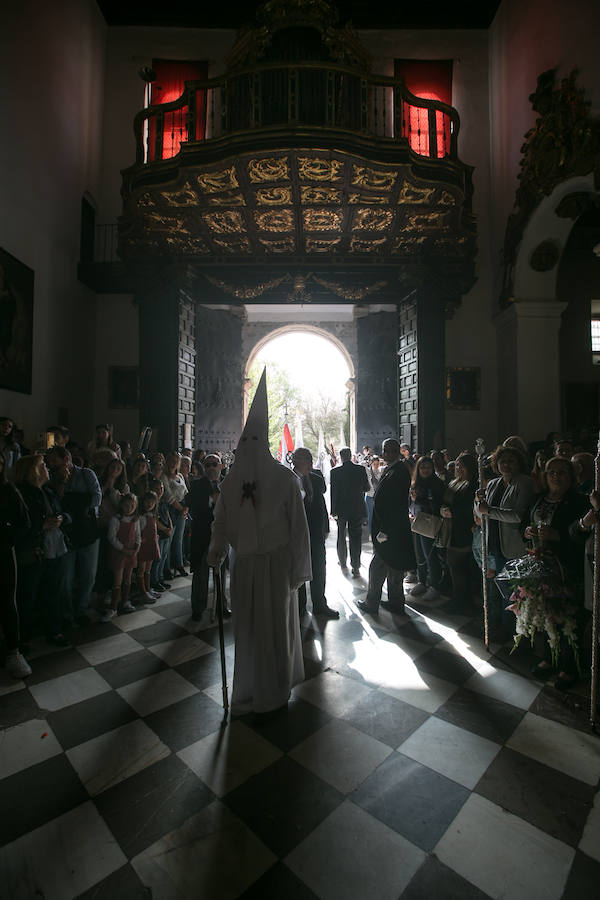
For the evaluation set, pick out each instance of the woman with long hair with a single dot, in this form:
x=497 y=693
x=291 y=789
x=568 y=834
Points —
x=426 y=495
x=175 y=494
x=457 y=507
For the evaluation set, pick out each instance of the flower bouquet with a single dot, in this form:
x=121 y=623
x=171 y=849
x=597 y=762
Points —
x=541 y=601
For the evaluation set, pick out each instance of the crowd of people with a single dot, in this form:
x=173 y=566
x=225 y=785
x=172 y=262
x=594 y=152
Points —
x=91 y=532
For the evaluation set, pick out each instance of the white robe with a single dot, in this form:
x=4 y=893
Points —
x=266 y=624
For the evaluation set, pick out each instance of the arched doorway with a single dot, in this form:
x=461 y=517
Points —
x=311 y=352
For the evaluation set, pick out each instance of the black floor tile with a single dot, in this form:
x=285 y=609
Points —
x=150 y=804
x=186 y=722
x=283 y=804
x=449 y=666
x=413 y=800
x=489 y=718
x=550 y=800
x=130 y=668
x=18 y=707
x=123 y=884
x=83 y=721
x=385 y=718
x=53 y=665
x=211 y=635
x=279 y=883
x=158 y=632
x=36 y=795
x=204 y=671
x=584 y=874
x=435 y=880
x=95 y=631
x=566 y=708
x=173 y=609
x=289 y=728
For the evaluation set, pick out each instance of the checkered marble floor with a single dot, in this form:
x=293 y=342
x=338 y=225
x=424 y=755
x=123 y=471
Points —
x=411 y=764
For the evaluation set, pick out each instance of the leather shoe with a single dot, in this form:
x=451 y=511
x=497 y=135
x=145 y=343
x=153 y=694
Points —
x=367 y=608
x=394 y=608
x=355 y=573
x=181 y=571
x=326 y=611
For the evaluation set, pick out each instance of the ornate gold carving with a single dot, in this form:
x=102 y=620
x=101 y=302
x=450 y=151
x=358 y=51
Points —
x=239 y=245
x=362 y=245
x=212 y=182
x=277 y=196
x=376 y=179
x=275 y=220
x=348 y=293
x=146 y=200
x=372 y=219
x=408 y=244
x=269 y=169
x=226 y=222
x=190 y=247
x=185 y=196
x=313 y=169
x=227 y=200
x=368 y=198
x=447 y=199
x=158 y=222
x=322 y=219
x=283 y=245
x=244 y=292
x=415 y=194
x=310 y=194
x=321 y=245
x=426 y=220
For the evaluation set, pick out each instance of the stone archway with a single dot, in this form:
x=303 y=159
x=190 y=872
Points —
x=272 y=332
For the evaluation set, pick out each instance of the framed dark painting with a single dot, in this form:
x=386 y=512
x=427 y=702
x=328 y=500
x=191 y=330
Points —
x=123 y=387
x=463 y=388
x=16 y=324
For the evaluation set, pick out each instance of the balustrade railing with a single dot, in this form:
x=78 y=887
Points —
x=301 y=95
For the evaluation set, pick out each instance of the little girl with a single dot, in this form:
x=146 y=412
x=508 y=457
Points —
x=149 y=550
x=124 y=541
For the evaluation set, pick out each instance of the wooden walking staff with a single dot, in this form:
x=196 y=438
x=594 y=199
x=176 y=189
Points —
x=480 y=450
x=595 y=607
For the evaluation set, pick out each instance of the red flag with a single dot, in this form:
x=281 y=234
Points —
x=287 y=436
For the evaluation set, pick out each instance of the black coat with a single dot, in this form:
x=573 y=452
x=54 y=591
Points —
x=390 y=517
x=201 y=511
x=316 y=511
x=349 y=484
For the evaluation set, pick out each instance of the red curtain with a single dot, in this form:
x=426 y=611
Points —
x=169 y=84
x=431 y=80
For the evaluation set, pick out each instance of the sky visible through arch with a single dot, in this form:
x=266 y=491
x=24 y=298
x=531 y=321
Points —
x=312 y=362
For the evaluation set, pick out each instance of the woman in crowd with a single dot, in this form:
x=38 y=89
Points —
x=164 y=527
x=551 y=516
x=149 y=550
x=102 y=449
x=504 y=503
x=457 y=507
x=14 y=523
x=374 y=477
x=439 y=465
x=124 y=540
x=175 y=494
x=426 y=495
x=113 y=482
x=140 y=476
x=537 y=472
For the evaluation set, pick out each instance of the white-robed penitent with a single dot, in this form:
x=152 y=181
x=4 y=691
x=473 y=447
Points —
x=260 y=513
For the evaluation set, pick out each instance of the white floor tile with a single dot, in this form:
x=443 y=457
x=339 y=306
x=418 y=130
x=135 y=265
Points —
x=341 y=755
x=157 y=691
x=503 y=855
x=590 y=840
x=138 y=619
x=181 y=650
x=352 y=856
x=451 y=751
x=195 y=860
x=502 y=685
x=334 y=693
x=570 y=751
x=26 y=745
x=422 y=690
x=57 y=693
x=114 y=756
x=61 y=859
x=228 y=757
x=112 y=647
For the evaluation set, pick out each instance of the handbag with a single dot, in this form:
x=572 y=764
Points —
x=426 y=524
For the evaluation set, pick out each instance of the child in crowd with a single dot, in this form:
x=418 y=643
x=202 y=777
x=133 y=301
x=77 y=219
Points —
x=149 y=550
x=124 y=539
x=164 y=527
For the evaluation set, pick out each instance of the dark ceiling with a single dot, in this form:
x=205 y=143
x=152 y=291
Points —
x=362 y=13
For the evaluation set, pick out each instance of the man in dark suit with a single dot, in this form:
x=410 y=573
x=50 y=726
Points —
x=201 y=499
x=313 y=487
x=393 y=549
x=349 y=484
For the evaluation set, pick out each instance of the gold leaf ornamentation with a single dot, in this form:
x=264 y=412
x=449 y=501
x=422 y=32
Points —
x=185 y=196
x=227 y=200
x=368 y=198
x=415 y=194
x=310 y=195
x=362 y=245
x=275 y=220
x=157 y=222
x=313 y=169
x=321 y=245
x=241 y=245
x=322 y=219
x=277 y=196
x=447 y=199
x=212 y=182
x=146 y=200
x=372 y=219
x=244 y=292
x=350 y=293
x=426 y=220
x=226 y=222
x=191 y=247
x=269 y=169
x=376 y=179
x=283 y=245
x=408 y=244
